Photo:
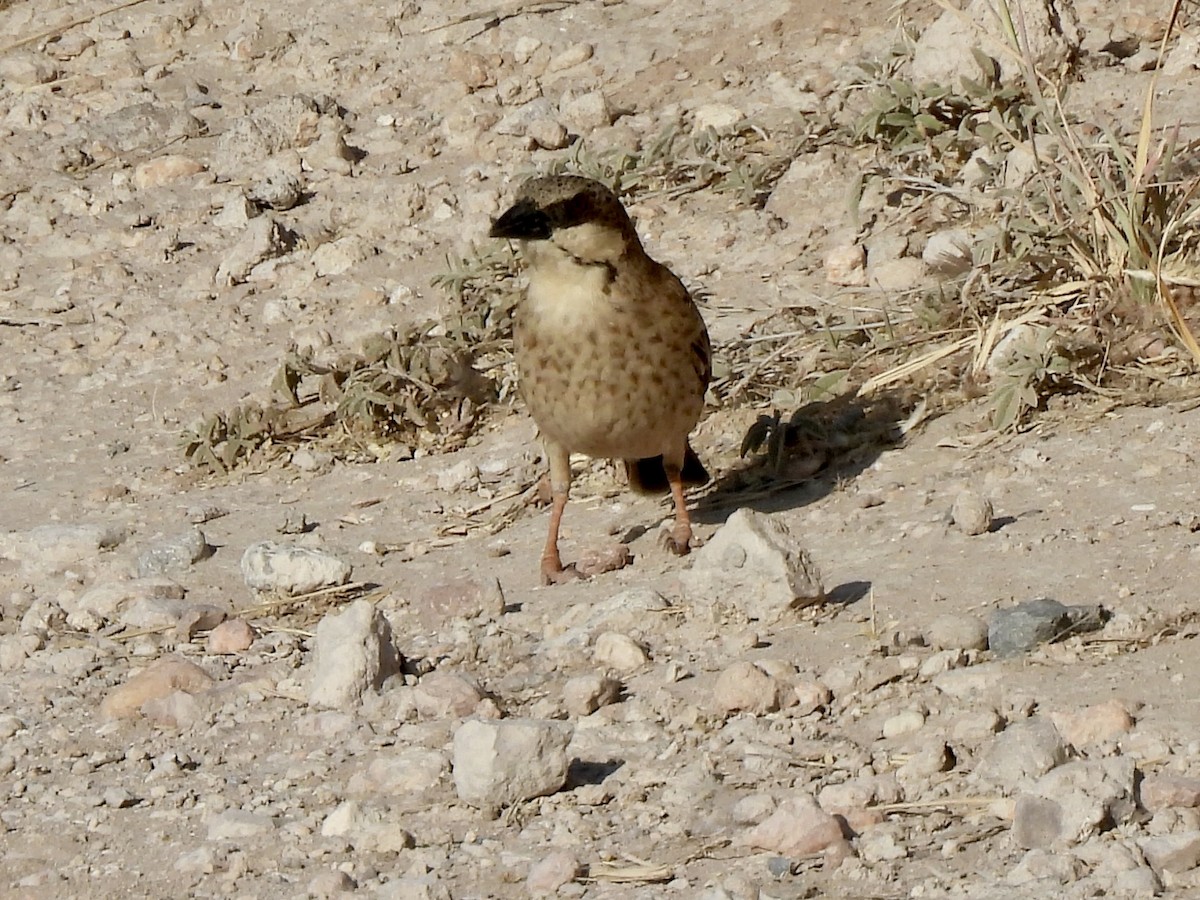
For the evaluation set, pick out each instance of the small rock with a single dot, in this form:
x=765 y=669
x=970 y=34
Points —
x=548 y=134
x=238 y=824
x=957 y=631
x=1144 y=60
x=354 y=653
x=1159 y=792
x=280 y=190
x=439 y=695
x=53 y=547
x=1172 y=852
x=342 y=820
x=897 y=275
x=164 y=170
x=462 y=476
x=722 y=118
x=593 y=561
x=745 y=687
x=462 y=598
x=232 y=636
x=1022 y=752
x=291 y=569
x=846 y=265
x=500 y=763
x=971 y=513
x=877 y=845
x=755 y=560
x=105 y=602
x=519 y=120
x=338 y=257
x=584 y=694
x=948 y=253
x=263 y=238
x=174 y=554
x=619 y=652
x=809 y=696
x=1094 y=724
x=1074 y=802
x=407 y=771
x=157 y=681
x=118 y=798
x=752 y=809
x=200 y=861
x=1024 y=626
x=798 y=827
x=176 y=710
x=907 y=722
x=573 y=56
x=330 y=884
x=945 y=52
x=551 y=872
x=586 y=112
x=188 y=619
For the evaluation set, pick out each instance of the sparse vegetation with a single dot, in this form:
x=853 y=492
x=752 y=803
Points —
x=1079 y=244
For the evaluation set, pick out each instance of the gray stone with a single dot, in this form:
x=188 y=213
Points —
x=107 y=601
x=279 y=124
x=943 y=53
x=971 y=513
x=354 y=654
x=401 y=773
x=279 y=189
x=291 y=569
x=173 y=554
x=754 y=562
x=1172 y=852
x=53 y=547
x=957 y=631
x=500 y=763
x=1020 y=628
x=238 y=824
x=584 y=694
x=1074 y=802
x=551 y=872
x=263 y=238
x=1022 y=752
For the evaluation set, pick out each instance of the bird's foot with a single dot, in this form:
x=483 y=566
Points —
x=592 y=561
x=554 y=572
x=677 y=540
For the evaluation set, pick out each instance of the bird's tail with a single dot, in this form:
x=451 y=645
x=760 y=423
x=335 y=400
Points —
x=649 y=476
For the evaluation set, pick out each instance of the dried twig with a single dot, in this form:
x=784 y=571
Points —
x=498 y=14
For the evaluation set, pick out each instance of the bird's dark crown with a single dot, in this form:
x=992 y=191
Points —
x=549 y=204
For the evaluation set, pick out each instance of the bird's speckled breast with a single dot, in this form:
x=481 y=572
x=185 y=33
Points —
x=611 y=368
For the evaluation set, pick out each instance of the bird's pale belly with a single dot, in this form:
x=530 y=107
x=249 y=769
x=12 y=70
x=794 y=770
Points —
x=610 y=393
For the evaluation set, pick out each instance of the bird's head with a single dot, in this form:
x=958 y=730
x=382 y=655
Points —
x=568 y=216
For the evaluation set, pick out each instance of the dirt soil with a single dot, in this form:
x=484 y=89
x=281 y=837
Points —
x=137 y=296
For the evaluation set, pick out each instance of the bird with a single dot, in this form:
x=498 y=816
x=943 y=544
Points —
x=613 y=356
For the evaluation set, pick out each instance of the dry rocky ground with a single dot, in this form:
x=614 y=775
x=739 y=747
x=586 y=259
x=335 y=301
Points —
x=188 y=189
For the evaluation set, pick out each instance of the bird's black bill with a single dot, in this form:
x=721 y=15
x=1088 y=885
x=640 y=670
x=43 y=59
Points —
x=524 y=221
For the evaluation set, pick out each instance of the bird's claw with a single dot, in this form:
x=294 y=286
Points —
x=677 y=541
x=554 y=572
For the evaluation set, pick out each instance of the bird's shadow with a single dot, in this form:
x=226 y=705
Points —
x=791 y=461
